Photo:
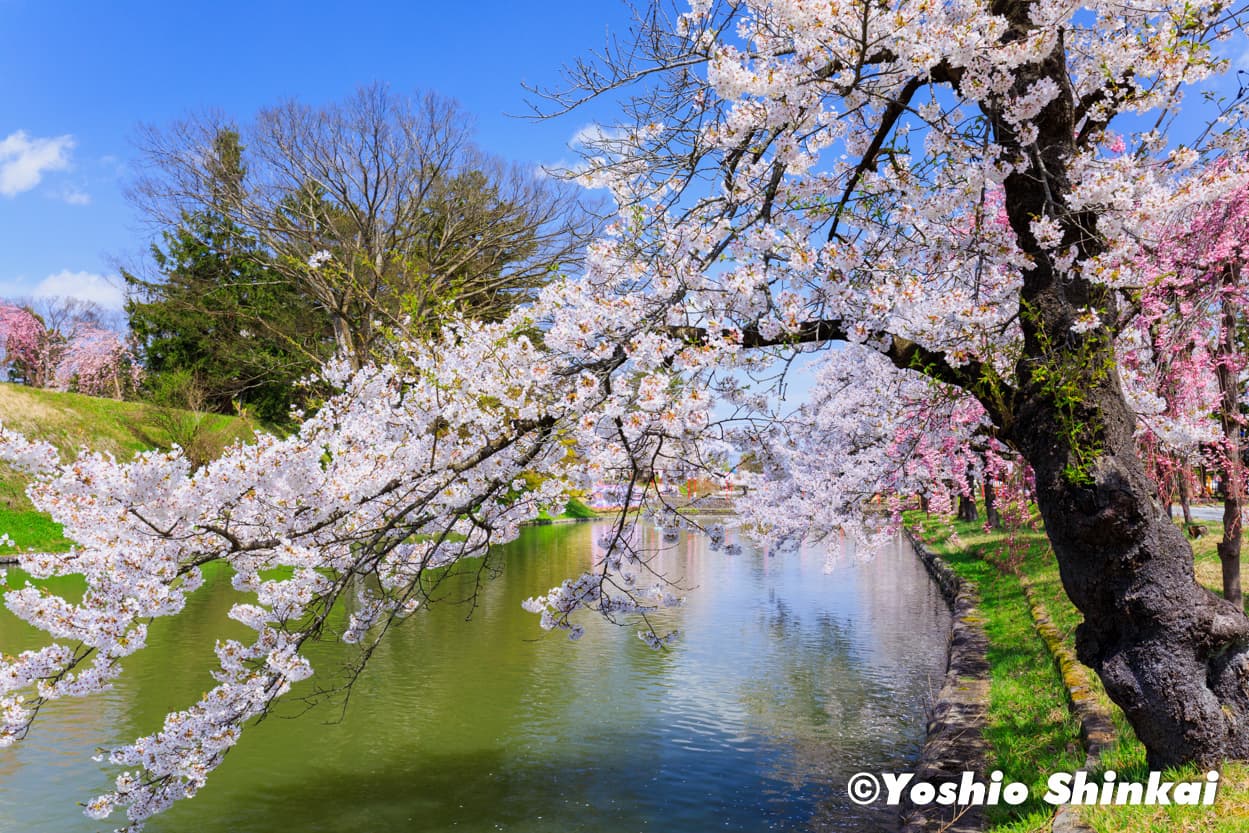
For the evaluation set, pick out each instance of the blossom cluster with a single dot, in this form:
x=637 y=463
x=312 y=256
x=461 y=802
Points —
x=87 y=358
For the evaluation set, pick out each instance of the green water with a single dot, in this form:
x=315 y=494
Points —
x=792 y=673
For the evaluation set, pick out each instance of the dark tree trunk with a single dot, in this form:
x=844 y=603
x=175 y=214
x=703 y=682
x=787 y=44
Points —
x=1186 y=500
x=991 y=516
x=1233 y=474
x=967 y=502
x=1172 y=655
x=1229 y=551
x=967 y=509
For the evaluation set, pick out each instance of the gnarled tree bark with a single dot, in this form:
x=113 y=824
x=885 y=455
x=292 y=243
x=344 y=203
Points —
x=1171 y=654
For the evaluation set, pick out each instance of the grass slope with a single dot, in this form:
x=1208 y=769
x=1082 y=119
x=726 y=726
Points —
x=71 y=422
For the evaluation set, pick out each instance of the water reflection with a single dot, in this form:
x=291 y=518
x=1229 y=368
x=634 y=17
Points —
x=789 y=676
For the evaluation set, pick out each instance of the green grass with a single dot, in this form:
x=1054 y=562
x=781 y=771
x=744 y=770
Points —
x=71 y=421
x=1030 y=730
x=1206 y=557
x=575 y=509
x=31 y=530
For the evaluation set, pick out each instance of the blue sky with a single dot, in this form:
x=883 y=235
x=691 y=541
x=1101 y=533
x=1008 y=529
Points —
x=77 y=79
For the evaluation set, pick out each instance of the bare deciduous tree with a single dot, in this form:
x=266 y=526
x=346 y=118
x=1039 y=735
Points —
x=61 y=314
x=414 y=217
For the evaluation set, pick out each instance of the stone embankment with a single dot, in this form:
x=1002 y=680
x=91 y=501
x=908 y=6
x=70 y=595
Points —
x=955 y=733
x=955 y=741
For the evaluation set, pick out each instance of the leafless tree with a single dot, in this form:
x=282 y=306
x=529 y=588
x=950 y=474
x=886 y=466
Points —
x=416 y=218
x=61 y=314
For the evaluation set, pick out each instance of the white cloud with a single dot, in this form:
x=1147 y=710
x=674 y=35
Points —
x=102 y=289
x=86 y=285
x=25 y=159
x=592 y=140
x=74 y=196
x=595 y=134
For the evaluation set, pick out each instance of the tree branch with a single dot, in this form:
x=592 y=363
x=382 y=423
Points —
x=902 y=352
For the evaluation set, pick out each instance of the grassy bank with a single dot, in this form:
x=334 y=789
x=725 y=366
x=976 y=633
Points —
x=1031 y=731
x=71 y=421
x=575 y=510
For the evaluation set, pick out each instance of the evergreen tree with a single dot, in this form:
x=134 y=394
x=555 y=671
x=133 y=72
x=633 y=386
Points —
x=220 y=328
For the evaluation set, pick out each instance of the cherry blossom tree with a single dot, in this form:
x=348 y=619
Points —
x=31 y=350
x=790 y=174
x=925 y=111
x=873 y=433
x=98 y=362
x=834 y=156
x=1189 y=342
x=74 y=352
